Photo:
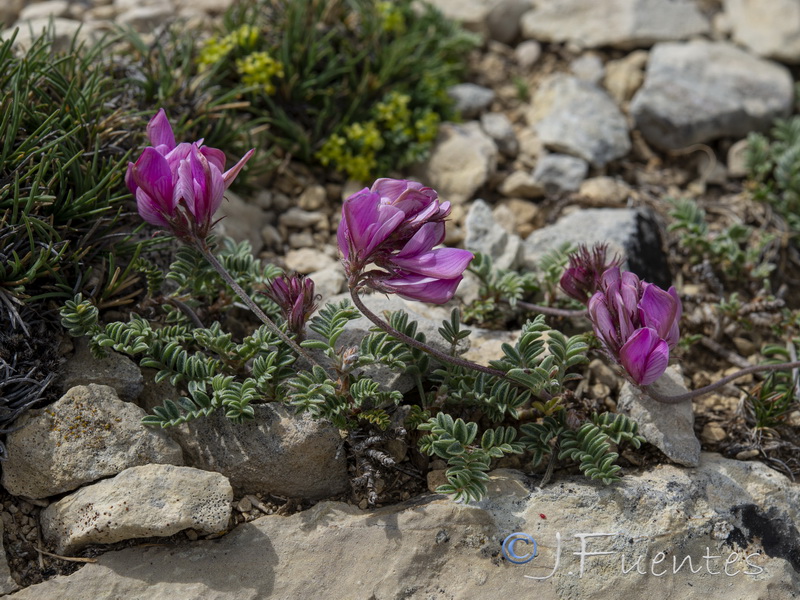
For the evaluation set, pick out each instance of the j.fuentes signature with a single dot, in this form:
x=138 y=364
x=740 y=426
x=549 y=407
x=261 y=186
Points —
x=520 y=548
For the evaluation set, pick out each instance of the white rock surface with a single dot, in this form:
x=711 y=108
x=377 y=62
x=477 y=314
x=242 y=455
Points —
x=43 y=10
x=520 y=184
x=559 y=173
x=498 y=127
x=619 y=23
x=484 y=234
x=63 y=31
x=632 y=234
x=669 y=427
x=461 y=161
x=576 y=117
x=698 y=91
x=146 y=501
x=86 y=435
x=471 y=99
x=432 y=548
x=114 y=370
x=770 y=29
x=7 y=583
x=278 y=452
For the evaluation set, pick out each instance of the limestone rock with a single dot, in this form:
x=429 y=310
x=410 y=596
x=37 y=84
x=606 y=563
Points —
x=576 y=117
x=669 y=427
x=471 y=100
x=146 y=18
x=499 y=128
x=86 y=435
x=632 y=234
x=520 y=184
x=625 y=76
x=470 y=13
x=44 y=10
x=146 y=501
x=329 y=281
x=7 y=583
x=61 y=31
x=461 y=161
x=241 y=221
x=606 y=190
x=622 y=24
x=115 y=370
x=278 y=452
x=527 y=53
x=770 y=29
x=484 y=234
x=558 y=173
x=699 y=91
x=308 y=260
x=503 y=20
x=740 y=515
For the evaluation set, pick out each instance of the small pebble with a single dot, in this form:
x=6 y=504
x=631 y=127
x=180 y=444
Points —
x=191 y=534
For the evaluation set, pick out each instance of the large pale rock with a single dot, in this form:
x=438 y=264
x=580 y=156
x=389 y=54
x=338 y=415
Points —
x=471 y=99
x=558 y=173
x=724 y=514
x=44 y=10
x=669 y=427
x=499 y=128
x=485 y=235
x=61 y=31
x=503 y=20
x=577 y=117
x=146 y=18
x=86 y=435
x=619 y=23
x=470 y=13
x=114 y=370
x=276 y=453
x=770 y=29
x=146 y=501
x=241 y=221
x=632 y=234
x=461 y=161
x=699 y=91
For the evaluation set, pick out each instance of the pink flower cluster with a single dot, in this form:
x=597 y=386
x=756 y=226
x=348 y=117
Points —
x=394 y=226
x=637 y=322
x=179 y=186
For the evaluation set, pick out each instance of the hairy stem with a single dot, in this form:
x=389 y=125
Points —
x=209 y=256
x=442 y=356
x=718 y=384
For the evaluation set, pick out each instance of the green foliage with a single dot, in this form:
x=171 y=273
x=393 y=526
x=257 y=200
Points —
x=541 y=359
x=589 y=446
x=455 y=442
x=773 y=165
x=79 y=317
x=771 y=401
x=65 y=137
x=354 y=84
x=736 y=253
x=498 y=286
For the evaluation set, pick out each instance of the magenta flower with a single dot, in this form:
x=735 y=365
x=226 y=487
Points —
x=179 y=186
x=586 y=267
x=295 y=297
x=636 y=322
x=395 y=226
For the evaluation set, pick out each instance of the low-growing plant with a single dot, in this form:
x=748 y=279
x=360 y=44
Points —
x=353 y=84
x=388 y=238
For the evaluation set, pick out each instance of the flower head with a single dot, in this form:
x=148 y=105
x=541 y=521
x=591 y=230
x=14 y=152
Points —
x=586 y=267
x=179 y=186
x=637 y=323
x=395 y=226
x=294 y=295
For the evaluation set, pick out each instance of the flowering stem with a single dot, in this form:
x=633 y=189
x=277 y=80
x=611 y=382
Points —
x=549 y=310
x=718 y=384
x=209 y=256
x=442 y=356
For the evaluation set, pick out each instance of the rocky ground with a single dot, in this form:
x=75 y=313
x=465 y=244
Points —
x=579 y=120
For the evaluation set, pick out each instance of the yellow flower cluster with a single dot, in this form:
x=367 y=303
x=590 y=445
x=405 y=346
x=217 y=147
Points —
x=392 y=20
x=394 y=113
x=355 y=151
x=258 y=69
x=216 y=48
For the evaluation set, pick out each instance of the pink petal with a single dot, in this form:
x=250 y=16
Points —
x=150 y=210
x=658 y=309
x=390 y=188
x=184 y=186
x=232 y=173
x=160 y=132
x=424 y=289
x=215 y=156
x=426 y=237
x=644 y=356
x=442 y=263
x=129 y=181
x=369 y=222
x=341 y=239
x=602 y=321
x=152 y=173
